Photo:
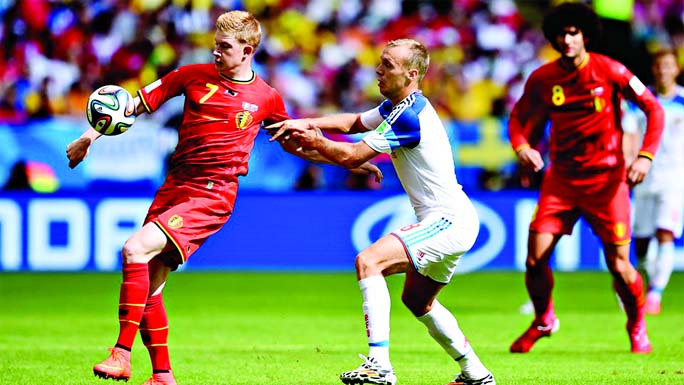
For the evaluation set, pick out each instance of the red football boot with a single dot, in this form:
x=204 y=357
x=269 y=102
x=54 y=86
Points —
x=638 y=337
x=536 y=331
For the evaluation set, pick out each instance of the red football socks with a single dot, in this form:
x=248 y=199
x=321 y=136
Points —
x=539 y=283
x=154 y=331
x=132 y=298
x=632 y=296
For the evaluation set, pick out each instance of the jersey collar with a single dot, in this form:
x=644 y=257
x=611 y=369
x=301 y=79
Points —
x=238 y=81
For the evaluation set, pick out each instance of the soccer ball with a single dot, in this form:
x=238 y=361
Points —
x=110 y=110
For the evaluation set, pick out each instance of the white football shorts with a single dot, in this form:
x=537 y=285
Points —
x=657 y=210
x=436 y=243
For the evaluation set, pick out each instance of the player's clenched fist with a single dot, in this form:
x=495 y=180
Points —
x=77 y=150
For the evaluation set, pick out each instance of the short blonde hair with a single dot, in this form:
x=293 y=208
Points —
x=419 y=58
x=244 y=27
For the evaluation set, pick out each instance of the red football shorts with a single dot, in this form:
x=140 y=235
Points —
x=189 y=213
x=601 y=199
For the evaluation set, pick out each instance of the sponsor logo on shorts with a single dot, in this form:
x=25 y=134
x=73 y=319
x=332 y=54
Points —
x=175 y=222
x=243 y=119
x=620 y=229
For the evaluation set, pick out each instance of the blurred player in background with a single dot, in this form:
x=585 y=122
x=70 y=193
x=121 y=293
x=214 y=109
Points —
x=225 y=105
x=580 y=94
x=659 y=200
x=406 y=126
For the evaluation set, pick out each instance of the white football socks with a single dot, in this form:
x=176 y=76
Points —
x=443 y=327
x=664 y=264
x=646 y=263
x=376 y=311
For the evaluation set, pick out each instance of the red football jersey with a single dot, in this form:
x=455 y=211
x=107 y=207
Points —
x=584 y=108
x=221 y=118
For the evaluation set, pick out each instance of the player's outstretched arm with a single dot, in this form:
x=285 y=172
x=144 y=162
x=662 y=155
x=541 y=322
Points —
x=347 y=155
x=293 y=147
x=346 y=123
x=77 y=150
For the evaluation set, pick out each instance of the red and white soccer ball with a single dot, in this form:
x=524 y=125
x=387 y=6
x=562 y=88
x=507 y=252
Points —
x=110 y=110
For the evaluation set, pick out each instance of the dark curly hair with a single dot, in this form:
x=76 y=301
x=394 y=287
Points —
x=578 y=15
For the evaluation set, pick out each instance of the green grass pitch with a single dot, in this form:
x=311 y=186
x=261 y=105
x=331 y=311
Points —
x=305 y=328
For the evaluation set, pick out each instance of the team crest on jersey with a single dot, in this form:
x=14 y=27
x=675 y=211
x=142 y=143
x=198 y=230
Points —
x=243 y=119
x=599 y=103
x=175 y=222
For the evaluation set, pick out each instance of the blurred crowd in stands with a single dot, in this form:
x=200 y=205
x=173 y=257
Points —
x=320 y=54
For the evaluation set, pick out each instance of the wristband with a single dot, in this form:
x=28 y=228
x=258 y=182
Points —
x=644 y=154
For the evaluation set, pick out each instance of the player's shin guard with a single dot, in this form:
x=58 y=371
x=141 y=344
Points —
x=539 y=282
x=132 y=298
x=154 y=330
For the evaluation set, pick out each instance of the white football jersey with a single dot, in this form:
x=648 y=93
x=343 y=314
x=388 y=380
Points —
x=667 y=170
x=414 y=136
